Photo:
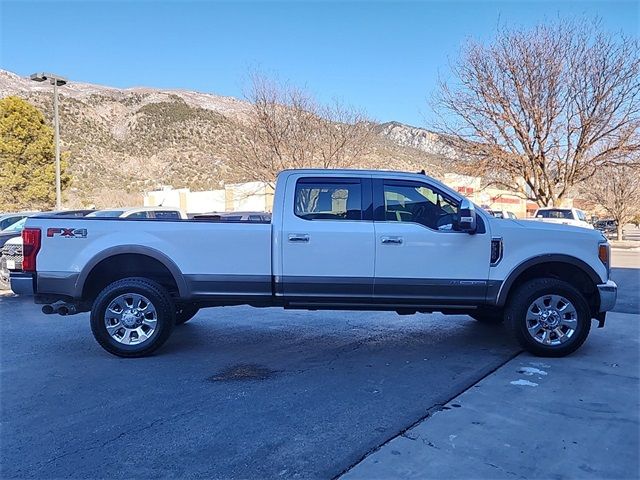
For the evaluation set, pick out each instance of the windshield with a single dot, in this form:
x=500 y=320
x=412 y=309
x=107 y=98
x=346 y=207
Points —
x=16 y=227
x=555 y=213
x=106 y=213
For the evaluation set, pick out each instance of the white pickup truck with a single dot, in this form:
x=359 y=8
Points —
x=563 y=216
x=338 y=239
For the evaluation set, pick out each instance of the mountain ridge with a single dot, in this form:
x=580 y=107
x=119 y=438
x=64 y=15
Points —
x=123 y=142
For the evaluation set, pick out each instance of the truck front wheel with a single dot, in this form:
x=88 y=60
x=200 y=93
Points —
x=549 y=317
x=132 y=317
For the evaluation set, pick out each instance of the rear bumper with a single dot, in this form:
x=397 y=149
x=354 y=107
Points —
x=22 y=283
x=608 y=295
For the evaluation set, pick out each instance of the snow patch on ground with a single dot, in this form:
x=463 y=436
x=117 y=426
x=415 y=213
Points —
x=524 y=383
x=531 y=371
x=540 y=364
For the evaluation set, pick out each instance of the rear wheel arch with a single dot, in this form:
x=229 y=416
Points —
x=562 y=267
x=129 y=261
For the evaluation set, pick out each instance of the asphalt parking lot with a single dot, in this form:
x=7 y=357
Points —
x=237 y=392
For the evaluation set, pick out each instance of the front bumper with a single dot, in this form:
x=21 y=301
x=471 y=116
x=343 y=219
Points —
x=22 y=283
x=608 y=295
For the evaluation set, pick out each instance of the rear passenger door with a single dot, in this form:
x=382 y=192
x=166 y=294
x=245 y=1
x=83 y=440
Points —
x=327 y=240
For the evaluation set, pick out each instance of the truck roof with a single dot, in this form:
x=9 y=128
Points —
x=356 y=172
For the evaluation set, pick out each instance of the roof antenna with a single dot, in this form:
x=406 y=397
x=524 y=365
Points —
x=422 y=172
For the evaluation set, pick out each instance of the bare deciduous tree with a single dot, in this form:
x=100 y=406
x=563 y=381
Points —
x=288 y=128
x=541 y=111
x=617 y=190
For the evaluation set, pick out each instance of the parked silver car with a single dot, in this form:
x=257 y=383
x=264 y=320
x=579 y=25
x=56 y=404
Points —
x=234 y=216
x=8 y=219
x=157 y=213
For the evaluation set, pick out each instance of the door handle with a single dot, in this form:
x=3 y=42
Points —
x=391 y=240
x=299 y=238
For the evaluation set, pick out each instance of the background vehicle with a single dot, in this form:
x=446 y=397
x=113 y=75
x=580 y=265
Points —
x=608 y=228
x=563 y=216
x=338 y=239
x=502 y=214
x=234 y=216
x=10 y=260
x=12 y=231
x=158 y=213
x=8 y=219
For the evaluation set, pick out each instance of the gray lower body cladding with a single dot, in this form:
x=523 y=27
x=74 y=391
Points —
x=314 y=291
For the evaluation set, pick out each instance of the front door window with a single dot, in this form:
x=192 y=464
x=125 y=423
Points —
x=417 y=203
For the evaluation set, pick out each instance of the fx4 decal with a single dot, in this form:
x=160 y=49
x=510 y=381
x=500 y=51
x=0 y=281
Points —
x=67 y=232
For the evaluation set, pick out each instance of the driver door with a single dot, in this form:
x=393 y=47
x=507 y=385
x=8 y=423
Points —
x=420 y=257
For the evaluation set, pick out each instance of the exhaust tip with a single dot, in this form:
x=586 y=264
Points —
x=47 y=309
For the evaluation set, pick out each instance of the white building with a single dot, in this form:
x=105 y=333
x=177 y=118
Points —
x=250 y=196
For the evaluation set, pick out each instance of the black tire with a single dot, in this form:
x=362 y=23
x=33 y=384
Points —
x=488 y=317
x=184 y=313
x=156 y=294
x=520 y=301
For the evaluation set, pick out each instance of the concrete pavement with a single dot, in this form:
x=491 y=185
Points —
x=572 y=417
x=625 y=272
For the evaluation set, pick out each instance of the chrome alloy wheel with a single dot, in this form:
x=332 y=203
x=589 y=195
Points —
x=131 y=319
x=551 y=320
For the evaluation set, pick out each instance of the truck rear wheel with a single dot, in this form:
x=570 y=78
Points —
x=132 y=317
x=184 y=313
x=549 y=317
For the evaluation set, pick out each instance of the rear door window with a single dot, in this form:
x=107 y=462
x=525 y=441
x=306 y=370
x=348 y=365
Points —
x=328 y=199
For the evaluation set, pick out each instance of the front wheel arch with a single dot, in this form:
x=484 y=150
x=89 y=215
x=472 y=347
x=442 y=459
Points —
x=561 y=267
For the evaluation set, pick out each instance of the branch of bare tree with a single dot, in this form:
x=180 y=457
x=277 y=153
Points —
x=540 y=111
x=288 y=128
x=616 y=190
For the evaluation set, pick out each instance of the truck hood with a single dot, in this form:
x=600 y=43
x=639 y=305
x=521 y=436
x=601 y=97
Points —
x=550 y=228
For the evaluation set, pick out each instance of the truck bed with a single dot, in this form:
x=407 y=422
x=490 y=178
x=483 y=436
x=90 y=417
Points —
x=214 y=258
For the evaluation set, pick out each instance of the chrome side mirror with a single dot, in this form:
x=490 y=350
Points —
x=467 y=217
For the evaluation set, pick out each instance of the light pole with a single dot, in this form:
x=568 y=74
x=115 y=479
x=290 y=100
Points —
x=56 y=81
